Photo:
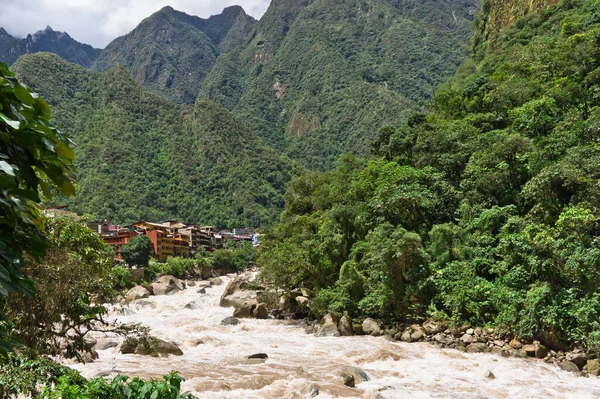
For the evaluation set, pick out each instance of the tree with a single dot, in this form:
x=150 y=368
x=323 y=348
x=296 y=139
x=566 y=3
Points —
x=137 y=251
x=71 y=281
x=34 y=157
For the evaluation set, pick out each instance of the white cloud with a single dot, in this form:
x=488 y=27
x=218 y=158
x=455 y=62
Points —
x=97 y=22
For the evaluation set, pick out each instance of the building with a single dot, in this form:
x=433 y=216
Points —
x=116 y=237
x=166 y=239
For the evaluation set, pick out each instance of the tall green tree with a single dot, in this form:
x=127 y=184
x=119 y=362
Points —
x=35 y=159
x=138 y=251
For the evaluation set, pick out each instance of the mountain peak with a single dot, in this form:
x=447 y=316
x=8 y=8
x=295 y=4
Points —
x=48 y=29
x=234 y=10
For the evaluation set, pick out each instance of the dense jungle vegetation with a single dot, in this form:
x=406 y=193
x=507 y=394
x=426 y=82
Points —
x=318 y=78
x=140 y=157
x=483 y=210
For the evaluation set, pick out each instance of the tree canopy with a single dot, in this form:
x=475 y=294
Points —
x=35 y=160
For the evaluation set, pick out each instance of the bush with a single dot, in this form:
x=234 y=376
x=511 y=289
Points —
x=121 y=278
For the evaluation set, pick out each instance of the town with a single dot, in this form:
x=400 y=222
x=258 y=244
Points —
x=171 y=238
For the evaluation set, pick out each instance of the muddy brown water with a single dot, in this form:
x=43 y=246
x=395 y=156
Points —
x=215 y=363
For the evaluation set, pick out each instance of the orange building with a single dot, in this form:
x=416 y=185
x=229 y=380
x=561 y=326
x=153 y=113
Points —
x=117 y=238
x=166 y=240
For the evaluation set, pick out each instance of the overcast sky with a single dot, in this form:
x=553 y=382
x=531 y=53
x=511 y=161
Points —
x=97 y=22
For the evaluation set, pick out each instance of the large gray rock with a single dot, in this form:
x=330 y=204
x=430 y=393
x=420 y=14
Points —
x=434 y=326
x=167 y=348
x=246 y=310
x=371 y=327
x=216 y=281
x=328 y=327
x=261 y=311
x=230 y=321
x=477 y=347
x=235 y=295
x=569 y=366
x=137 y=292
x=578 y=358
x=345 y=326
x=593 y=367
x=167 y=285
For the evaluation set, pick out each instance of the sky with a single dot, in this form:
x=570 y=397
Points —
x=98 y=22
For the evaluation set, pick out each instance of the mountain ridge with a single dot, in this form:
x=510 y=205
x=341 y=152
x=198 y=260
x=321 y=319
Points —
x=47 y=40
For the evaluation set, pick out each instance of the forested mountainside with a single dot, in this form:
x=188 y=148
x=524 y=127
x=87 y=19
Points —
x=140 y=157
x=47 y=40
x=484 y=210
x=317 y=78
x=170 y=53
x=312 y=78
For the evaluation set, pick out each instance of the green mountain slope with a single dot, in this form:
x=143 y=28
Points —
x=46 y=40
x=170 y=53
x=484 y=210
x=140 y=157
x=320 y=77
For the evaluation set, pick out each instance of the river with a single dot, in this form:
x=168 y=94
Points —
x=215 y=363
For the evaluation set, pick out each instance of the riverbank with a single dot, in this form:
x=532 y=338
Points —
x=215 y=362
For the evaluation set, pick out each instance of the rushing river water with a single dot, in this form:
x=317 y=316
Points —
x=215 y=363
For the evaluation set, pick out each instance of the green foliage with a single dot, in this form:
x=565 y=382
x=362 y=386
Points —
x=141 y=158
x=174 y=51
x=175 y=266
x=24 y=375
x=44 y=378
x=71 y=281
x=34 y=158
x=317 y=78
x=120 y=387
x=227 y=260
x=484 y=210
x=138 y=251
x=121 y=278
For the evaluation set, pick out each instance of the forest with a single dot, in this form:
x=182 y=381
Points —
x=484 y=210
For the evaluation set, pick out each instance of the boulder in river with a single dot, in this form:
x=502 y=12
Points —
x=167 y=285
x=348 y=380
x=216 y=281
x=245 y=310
x=259 y=356
x=435 y=326
x=167 y=348
x=235 y=294
x=569 y=366
x=328 y=327
x=371 y=327
x=137 y=292
x=345 y=326
x=261 y=311
x=192 y=305
x=230 y=321
x=593 y=367
x=477 y=347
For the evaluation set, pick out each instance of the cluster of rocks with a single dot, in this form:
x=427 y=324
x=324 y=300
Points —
x=463 y=338
x=240 y=295
x=168 y=285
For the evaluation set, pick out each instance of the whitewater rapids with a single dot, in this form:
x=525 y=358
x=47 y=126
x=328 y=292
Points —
x=215 y=363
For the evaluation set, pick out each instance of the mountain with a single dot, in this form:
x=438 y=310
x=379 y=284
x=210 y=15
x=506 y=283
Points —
x=170 y=53
x=139 y=156
x=46 y=40
x=320 y=77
